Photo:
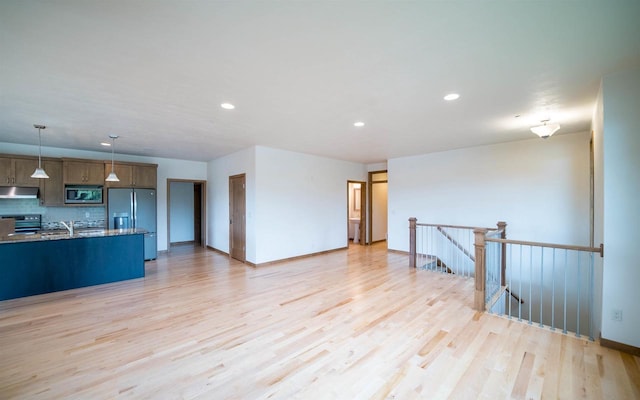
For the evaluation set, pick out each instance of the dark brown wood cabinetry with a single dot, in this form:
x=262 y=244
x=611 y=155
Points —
x=83 y=172
x=133 y=175
x=16 y=171
x=52 y=189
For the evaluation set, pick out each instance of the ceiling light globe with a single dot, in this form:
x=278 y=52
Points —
x=452 y=96
x=545 y=130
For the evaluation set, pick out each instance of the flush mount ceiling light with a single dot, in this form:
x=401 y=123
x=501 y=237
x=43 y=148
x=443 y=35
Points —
x=39 y=172
x=112 y=177
x=358 y=124
x=227 y=106
x=105 y=144
x=452 y=96
x=545 y=130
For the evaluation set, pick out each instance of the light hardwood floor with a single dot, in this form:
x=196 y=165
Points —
x=352 y=324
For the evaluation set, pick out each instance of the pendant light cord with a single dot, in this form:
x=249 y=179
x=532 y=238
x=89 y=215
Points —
x=39 y=149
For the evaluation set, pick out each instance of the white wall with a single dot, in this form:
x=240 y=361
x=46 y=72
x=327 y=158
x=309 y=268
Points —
x=181 y=212
x=539 y=187
x=301 y=203
x=218 y=172
x=621 y=191
x=377 y=167
x=167 y=169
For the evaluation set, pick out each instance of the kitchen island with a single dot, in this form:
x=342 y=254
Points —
x=50 y=262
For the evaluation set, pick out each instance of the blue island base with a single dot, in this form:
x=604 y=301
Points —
x=36 y=267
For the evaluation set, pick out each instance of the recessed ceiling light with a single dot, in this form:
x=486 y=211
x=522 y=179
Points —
x=227 y=106
x=452 y=96
x=358 y=124
x=105 y=144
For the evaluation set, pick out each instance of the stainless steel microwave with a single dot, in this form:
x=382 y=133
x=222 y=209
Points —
x=83 y=194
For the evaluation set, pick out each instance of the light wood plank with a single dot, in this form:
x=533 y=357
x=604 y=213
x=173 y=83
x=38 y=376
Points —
x=352 y=324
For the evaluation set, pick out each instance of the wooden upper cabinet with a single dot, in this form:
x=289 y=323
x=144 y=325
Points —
x=133 y=175
x=52 y=189
x=145 y=176
x=6 y=171
x=17 y=172
x=123 y=172
x=83 y=172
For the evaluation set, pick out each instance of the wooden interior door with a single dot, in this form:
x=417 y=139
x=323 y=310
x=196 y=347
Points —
x=197 y=212
x=237 y=225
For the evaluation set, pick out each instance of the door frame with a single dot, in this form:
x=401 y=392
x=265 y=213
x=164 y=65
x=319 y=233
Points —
x=244 y=216
x=203 y=209
x=370 y=203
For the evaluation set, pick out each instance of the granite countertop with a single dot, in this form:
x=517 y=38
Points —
x=64 y=234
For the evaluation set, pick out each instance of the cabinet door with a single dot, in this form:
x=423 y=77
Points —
x=94 y=173
x=145 y=177
x=123 y=172
x=23 y=168
x=6 y=171
x=74 y=172
x=52 y=189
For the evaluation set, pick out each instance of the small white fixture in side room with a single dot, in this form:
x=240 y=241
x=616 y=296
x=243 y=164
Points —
x=227 y=106
x=358 y=124
x=39 y=172
x=452 y=96
x=112 y=177
x=545 y=130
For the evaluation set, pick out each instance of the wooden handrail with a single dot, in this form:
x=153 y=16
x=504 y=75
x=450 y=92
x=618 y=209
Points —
x=455 y=243
x=550 y=245
x=456 y=226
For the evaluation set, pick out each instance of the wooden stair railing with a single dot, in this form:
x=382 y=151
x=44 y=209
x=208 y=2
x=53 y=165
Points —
x=456 y=243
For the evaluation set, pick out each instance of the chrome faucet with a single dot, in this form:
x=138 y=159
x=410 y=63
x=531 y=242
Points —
x=69 y=227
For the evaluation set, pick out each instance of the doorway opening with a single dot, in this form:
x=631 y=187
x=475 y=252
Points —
x=377 y=218
x=356 y=212
x=186 y=213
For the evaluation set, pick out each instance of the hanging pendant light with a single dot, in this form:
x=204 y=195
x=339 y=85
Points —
x=112 y=177
x=39 y=172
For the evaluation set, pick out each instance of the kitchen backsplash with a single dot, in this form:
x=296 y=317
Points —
x=51 y=216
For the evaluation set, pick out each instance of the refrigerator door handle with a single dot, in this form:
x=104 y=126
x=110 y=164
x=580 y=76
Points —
x=134 y=210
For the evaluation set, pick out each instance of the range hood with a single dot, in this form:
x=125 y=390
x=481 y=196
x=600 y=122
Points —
x=17 y=192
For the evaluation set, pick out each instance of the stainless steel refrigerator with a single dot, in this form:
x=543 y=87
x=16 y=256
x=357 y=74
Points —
x=135 y=208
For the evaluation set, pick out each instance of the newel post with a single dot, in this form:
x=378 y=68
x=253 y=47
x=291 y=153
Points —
x=412 y=242
x=479 y=244
x=503 y=249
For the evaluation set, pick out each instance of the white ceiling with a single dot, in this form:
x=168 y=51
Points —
x=301 y=73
